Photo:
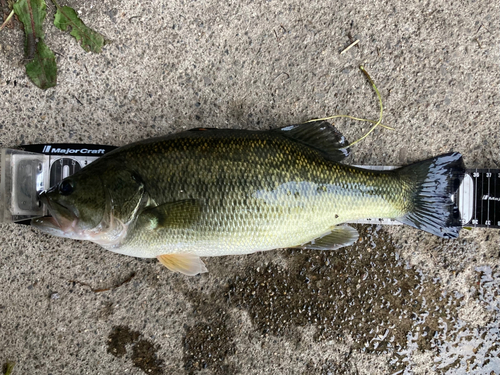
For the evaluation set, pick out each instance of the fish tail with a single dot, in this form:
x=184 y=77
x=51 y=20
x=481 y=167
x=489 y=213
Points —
x=430 y=207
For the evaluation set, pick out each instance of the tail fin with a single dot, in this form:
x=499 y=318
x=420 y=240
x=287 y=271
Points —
x=435 y=181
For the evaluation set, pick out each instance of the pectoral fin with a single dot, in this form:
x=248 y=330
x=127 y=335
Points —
x=340 y=236
x=179 y=214
x=188 y=264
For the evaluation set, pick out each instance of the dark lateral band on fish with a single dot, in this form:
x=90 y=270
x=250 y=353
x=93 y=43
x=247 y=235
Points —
x=210 y=192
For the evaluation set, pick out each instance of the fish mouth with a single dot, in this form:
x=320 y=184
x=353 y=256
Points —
x=61 y=223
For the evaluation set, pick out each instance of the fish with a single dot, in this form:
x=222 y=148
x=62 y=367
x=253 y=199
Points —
x=212 y=192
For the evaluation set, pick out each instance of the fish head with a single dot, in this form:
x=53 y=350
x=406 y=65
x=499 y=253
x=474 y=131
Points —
x=96 y=204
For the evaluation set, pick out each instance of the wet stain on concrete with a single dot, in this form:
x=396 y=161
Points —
x=471 y=349
x=365 y=291
x=208 y=344
x=144 y=357
x=330 y=367
x=119 y=338
x=143 y=352
x=364 y=294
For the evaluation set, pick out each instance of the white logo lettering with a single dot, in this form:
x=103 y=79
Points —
x=486 y=197
x=67 y=151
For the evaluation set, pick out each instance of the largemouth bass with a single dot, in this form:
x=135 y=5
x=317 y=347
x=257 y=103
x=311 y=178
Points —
x=210 y=192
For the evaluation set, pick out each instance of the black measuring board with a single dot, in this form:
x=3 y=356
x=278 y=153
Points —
x=479 y=198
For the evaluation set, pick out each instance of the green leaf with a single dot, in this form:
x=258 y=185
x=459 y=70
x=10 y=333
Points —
x=8 y=367
x=42 y=70
x=89 y=39
x=31 y=13
x=40 y=60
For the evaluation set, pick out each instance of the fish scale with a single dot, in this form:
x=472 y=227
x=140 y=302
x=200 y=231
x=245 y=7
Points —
x=255 y=194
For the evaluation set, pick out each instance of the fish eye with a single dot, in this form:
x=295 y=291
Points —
x=66 y=187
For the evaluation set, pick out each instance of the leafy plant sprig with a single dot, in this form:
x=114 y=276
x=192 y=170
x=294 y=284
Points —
x=39 y=60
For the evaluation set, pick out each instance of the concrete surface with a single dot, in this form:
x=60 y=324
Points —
x=179 y=64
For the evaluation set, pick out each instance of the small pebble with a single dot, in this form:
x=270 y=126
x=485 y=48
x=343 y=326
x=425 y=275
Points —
x=54 y=296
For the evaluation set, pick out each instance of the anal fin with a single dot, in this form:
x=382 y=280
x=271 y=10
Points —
x=188 y=264
x=339 y=236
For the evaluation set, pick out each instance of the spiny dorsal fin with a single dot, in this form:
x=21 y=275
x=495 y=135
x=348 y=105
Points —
x=340 y=236
x=187 y=264
x=320 y=135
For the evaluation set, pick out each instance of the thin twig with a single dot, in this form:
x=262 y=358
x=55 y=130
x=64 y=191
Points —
x=380 y=101
x=7 y=20
x=350 y=46
x=276 y=34
x=349 y=117
x=377 y=123
x=279 y=75
x=79 y=102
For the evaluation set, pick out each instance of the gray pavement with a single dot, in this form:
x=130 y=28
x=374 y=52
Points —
x=399 y=301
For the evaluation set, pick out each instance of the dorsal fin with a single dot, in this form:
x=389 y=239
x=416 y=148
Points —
x=202 y=129
x=320 y=135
